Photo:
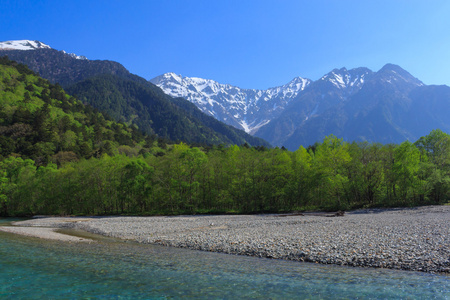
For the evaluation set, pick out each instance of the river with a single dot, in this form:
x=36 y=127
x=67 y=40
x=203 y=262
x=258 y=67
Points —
x=32 y=268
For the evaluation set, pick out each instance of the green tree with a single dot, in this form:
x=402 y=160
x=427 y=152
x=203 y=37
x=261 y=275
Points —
x=192 y=160
x=135 y=186
x=330 y=159
x=3 y=193
x=405 y=169
x=435 y=165
x=300 y=186
x=366 y=174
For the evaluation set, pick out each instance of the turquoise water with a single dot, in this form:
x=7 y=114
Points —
x=33 y=269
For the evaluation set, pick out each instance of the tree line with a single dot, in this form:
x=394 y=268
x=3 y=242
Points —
x=331 y=175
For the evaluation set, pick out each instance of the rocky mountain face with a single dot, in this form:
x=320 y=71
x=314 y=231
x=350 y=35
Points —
x=388 y=106
x=246 y=109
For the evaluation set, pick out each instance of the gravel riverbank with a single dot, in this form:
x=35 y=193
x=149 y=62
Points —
x=409 y=239
x=44 y=233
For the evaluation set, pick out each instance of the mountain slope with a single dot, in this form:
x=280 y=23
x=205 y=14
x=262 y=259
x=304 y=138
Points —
x=129 y=98
x=387 y=106
x=151 y=110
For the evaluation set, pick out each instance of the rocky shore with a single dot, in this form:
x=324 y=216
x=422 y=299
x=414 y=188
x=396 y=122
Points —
x=410 y=239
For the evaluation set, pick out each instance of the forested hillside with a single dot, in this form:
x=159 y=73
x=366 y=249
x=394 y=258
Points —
x=111 y=88
x=38 y=120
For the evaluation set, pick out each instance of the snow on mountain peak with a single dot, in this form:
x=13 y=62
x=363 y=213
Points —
x=172 y=75
x=247 y=109
x=32 y=45
x=343 y=78
x=280 y=114
x=23 y=45
x=75 y=56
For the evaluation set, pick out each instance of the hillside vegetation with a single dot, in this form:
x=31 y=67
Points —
x=38 y=120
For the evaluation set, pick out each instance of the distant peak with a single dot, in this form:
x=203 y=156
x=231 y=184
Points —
x=393 y=71
x=299 y=79
x=23 y=45
x=343 y=78
x=391 y=67
x=343 y=69
x=170 y=76
x=353 y=72
x=297 y=84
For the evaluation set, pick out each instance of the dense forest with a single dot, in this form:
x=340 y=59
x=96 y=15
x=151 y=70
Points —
x=58 y=156
x=331 y=175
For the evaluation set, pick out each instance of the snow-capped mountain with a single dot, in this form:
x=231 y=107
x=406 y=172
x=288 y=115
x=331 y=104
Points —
x=32 y=45
x=247 y=109
x=251 y=109
x=388 y=106
x=23 y=45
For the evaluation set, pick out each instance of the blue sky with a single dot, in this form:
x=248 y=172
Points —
x=251 y=44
